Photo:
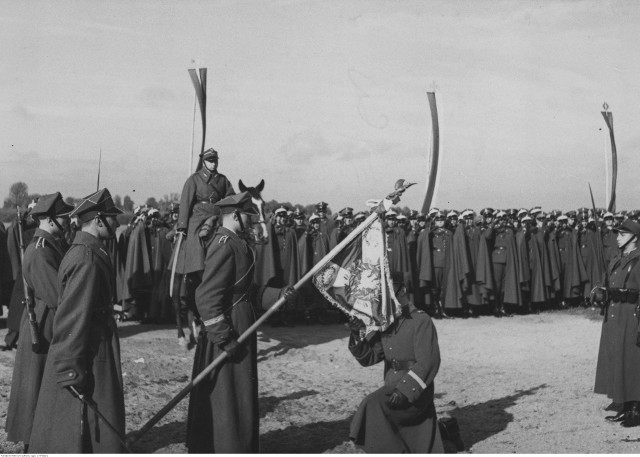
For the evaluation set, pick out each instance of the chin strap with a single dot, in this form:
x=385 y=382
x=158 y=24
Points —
x=109 y=229
x=237 y=213
x=628 y=241
x=55 y=221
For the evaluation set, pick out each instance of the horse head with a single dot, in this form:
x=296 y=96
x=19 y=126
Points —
x=261 y=236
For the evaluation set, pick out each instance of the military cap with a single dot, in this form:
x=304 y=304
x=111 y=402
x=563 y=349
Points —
x=346 y=212
x=562 y=217
x=298 y=214
x=535 y=210
x=338 y=217
x=522 y=212
x=51 y=205
x=99 y=203
x=452 y=214
x=153 y=213
x=486 y=212
x=433 y=211
x=439 y=215
x=391 y=214
x=556 y=213
x=619 y=216
x=607 y=215
x=511 y=212
x=571 y=214
x=421 y=217
x=174 y=208
x=401 y=217
x=282 y=211
x=314 y=218
x=239 y=202
x=583 y=210
x=413 y=214
x=321 y=207
x=629 y=226
x=359 y=216
x=541 y=215
x=500 y=214
x=527 y=218
x=210 y=154
x=467 y=213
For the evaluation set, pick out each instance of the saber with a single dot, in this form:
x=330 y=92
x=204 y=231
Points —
x=392 y=198
x=435 y=153
x=175 y=263
x=92 y=405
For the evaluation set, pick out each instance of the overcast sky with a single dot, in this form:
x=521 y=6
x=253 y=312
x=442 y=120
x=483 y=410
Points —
x=325 y=100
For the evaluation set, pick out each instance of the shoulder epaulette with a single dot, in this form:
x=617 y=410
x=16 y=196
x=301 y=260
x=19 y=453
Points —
x=41 y=243
x=223 y=239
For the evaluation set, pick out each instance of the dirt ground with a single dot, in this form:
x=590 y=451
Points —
x=516 y=385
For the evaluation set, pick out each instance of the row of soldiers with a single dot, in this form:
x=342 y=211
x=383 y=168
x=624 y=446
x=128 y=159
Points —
x=495 y=261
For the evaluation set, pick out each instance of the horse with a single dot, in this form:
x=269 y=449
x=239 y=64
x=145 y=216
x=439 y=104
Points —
x=261 y=236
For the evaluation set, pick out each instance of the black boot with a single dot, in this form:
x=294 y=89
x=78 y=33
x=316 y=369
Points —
x=622 y=415
x=633 y=417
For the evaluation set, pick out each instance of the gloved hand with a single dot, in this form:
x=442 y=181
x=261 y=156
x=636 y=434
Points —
x=232 y=347
x=355 y=325
x=599 y=294
x=397 y=400
x=290 y=295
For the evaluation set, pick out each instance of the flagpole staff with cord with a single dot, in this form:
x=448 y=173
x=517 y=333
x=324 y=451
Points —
x=391 y=199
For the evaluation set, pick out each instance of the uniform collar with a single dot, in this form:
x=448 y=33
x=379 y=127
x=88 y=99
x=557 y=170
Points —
x=206 y=174
x=87 y=239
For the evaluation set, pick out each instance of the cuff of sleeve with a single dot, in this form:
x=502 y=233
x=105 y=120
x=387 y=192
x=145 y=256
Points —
x=70 y=373
x=411 y=386
x=218 y=329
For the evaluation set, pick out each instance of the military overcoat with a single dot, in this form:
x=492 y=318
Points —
x=223 y=408
x=618 y=368
x=201 y=190
x=84 y=352
x=411 y=358
x=41 y=262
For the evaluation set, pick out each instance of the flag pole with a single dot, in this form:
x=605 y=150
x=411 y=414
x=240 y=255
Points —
x=392 y=198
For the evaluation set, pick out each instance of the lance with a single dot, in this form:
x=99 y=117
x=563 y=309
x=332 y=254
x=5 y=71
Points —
x=435 y=151
x=28 y=299
x=92 y=405
x=391 y=199
x=593 y=204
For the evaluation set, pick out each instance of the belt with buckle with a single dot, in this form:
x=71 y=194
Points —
x=401 y=364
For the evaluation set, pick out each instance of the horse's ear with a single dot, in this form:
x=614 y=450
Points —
x=241 y=186
x=260 y=186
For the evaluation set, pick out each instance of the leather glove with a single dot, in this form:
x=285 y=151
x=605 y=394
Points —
x=600 y=294
x=355 y=325
x=397 y=400
x=232 y=347
x=290 y=295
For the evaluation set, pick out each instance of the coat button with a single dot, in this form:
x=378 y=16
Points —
x=404 y=380
x=71 y=375
x=413 y=389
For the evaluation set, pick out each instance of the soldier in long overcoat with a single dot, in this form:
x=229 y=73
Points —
x=399 y=417
x=223 y=409
x=85 y=351
x=40 y=270
x=618 y=369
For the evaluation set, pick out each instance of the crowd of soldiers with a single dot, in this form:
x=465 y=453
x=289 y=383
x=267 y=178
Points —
x=466 y=264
